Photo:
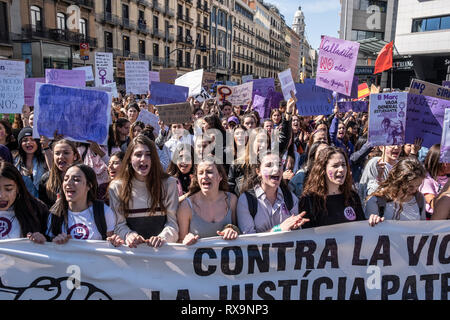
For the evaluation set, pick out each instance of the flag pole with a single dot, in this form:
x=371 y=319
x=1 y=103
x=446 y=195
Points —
x=392 y=69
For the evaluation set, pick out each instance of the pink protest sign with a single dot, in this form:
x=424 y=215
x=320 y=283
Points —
x=29 y=85
x=336 y=66
x=63 y=77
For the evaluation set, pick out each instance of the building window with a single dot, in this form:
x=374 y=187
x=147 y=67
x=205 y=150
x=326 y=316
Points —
x=4 y=30
x=205 y=62
x=155 y=23
x=142 y=47
x=431 y=24
x=364 y=4
x=188 y=60
x=156 y=50
x=126 y=45
x=83 y=27
x=125 y=11
x=36 y=21
x=61 y=21
x=108 y=40
x=362 y=34
x=180 y=58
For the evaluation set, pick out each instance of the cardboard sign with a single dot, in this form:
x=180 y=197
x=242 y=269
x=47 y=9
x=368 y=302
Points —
x=87 y=72
x=287 y=83
x=168 y=75
x=120 y=66
x=429 y=89
x=11 y=94
x=259 y=104
x=336 y=64
x=12 y=69
x=193 y=80
x=30 y=87
x=354 y=93
x=70 y=111
x=164 y=93
x=104 y=72
x=387 y=117
x=136 y=77
x=208 y=80
x=62 y=77
x=175 y=113
x=312 y=99
x=445 y=141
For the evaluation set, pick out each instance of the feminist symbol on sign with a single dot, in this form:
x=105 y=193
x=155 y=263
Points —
x=223 y=93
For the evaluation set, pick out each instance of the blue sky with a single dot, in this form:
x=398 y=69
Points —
x=321 y=17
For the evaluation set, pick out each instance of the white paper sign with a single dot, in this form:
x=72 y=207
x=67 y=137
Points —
x=136 y=77
x=104 y=72
x=87 y=71
x=287 y=83
x=12 y=69
x=241 y=94
x=192 y=80
x=113 y=87
x=204 y=95
x=12 y=94
x=149 y=118
x=445 y=143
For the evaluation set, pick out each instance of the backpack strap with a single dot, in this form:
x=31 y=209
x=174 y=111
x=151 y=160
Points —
x=381 y=202
x=420 y=201
x=99 y=217
x=287 y=195
x=252 y=202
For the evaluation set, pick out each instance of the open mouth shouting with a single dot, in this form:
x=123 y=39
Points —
x=3 y=205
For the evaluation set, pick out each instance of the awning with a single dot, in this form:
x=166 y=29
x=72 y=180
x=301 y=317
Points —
x=373 y=46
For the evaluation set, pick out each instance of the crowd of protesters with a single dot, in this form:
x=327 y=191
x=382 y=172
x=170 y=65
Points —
x=227 y=172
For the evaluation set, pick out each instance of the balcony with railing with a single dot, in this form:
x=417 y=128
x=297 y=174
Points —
x=158 y=33
x=203 y=26
x=157 y=7
x=169 y=12
x=70 y=37
x=188 y=2
x=128 y=24
x=158 y=61
x=168 y=37
x=145 y=3
x=142 y=27
x=108 y=17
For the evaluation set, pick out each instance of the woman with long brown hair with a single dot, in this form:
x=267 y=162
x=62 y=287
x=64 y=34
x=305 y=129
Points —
x=328 y=197
x=209 y=210
x=144 y=198
x=398 y=197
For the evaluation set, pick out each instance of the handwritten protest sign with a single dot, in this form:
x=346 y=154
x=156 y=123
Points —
x=287 y=83
x=70 y=110
x=192 y=80
x=204 y=95
x=87 y=72
x=429 y=89
x=153 y=76
x=247 y=78
x=355 y=106
x=175 y=113
x=168 y=75
x=313 y=100
x=387 y=117
x=29 y=85
x=354 y=93
x=424 y=119
x=445 y=141
x=149 y=118
x=104 y=72
x=164 y=93
x=136 y=77
x=263 y=87
x=62 y=77
x=12 y=69
x=208 y=80
x=259 y=106
x=237 y=95
x=11 y=94
x=336 y=65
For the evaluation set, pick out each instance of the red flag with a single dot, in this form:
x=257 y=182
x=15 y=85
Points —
x=384 y=59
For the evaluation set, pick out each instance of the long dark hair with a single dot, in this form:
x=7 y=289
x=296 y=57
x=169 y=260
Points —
x=23 y=204
x=38 y=155
x=60 y=209
x=432 y=161
x=114 y=136
x=173 y=169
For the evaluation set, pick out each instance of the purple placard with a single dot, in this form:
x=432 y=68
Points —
x=355 y=106
x=424 y=119
x=274 y=102
x=263 y=87
x=259 y=105
x=165 y=93
x=313 y=100
x=63 y=77
x=29 y=87
x=446 y=84
x=336 y=65
x=354 y=93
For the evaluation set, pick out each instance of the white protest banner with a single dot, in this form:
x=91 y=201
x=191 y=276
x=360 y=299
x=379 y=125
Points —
x=237 y=95
x=287 y=83
x=136 y=77
x=387 y=117
x=349 y=261
x=104 y=72
x=88 y=72
x=12 y=96
x=429 y=89
x=193 y=80
x=69 y=110
x=445 y=142
x=149 y=118
x=204 y=95
x=12 y=69
x=247 y=78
